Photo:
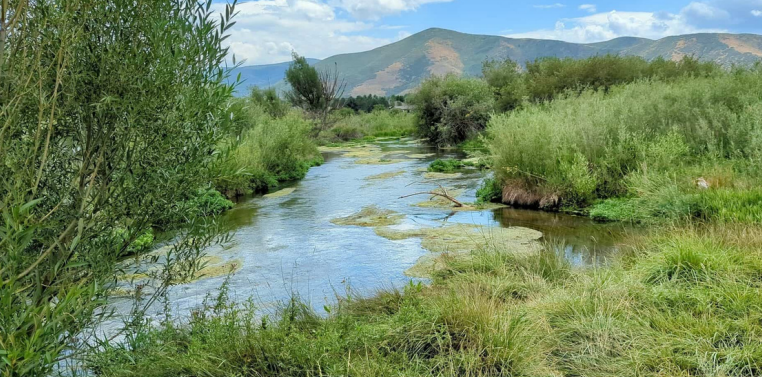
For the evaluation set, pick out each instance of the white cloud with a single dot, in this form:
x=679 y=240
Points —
x=605 y=26
x=376 y=9
x=267 y=31
x=696 y=17
x=549 y=6
x=589 y=8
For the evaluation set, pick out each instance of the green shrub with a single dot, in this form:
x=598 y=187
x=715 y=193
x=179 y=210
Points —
x=381 y=123
x=507 y=82
x=209 y=202
x=273 y=150
x=269 y=100
x=644 y=139
x=490 y=192
x=446 y=166
x=452 y=109
x=547 y=78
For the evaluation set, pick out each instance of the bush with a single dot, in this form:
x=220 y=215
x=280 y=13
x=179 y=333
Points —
x=382 y=123
x=452 y=109
x=490 y=192
x=134 y=100
x=547 y=78
x=507 y=82
x=269 y=100
x=273 y=150
x=446 y=166
x=648 y=137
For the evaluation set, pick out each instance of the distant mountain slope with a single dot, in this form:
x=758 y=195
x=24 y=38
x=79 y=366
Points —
x=400 y=67
x=263 y=76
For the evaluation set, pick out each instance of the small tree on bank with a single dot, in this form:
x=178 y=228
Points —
x=318 y=93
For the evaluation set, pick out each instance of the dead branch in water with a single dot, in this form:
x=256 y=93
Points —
x=442 y=194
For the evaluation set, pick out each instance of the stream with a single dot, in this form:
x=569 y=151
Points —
x=287 y=245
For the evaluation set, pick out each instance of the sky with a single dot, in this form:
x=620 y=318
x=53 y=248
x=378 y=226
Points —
x=267 y=31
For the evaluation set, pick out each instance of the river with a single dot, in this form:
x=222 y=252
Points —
x=287 y=245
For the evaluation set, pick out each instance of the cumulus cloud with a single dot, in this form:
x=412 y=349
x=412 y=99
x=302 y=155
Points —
x=696 y=17
x=267 y=31
x=376 y=9
x=606 y=26
x=589 y=8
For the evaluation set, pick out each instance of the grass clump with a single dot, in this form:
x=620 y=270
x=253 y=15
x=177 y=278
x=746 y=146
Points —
x=646 y=144
x=378 y=123
x=490 y=192
x=683 y=302
x=446 y=166
x=269 y=151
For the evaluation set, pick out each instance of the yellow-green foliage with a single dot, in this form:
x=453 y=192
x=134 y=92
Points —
x=379 y=123
x=600 y=145
x=270 y=150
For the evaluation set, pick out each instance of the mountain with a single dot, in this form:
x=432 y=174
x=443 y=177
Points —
x=263 y=76
x=400 y=67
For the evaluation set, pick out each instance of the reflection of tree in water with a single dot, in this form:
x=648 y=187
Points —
x=581 y=240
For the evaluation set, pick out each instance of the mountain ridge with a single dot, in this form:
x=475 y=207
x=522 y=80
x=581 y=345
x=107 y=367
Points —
x=399 y=67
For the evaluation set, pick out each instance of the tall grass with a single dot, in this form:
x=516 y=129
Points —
x=687 y=303
x=645 y=138
x=268 y=151
x=379 y=123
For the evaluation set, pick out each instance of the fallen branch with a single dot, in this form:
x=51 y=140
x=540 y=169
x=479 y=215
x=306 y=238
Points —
x=434 y=193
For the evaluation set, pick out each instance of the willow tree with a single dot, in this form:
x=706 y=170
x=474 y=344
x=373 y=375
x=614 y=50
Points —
x=317 y=92
x=109 y=113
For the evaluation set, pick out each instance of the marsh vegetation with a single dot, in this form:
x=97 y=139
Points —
x=117 y=139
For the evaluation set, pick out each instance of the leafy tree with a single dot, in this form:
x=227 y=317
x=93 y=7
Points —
x=507 y=82
x=366 y=103
x=452 y=109
x=319 y=93
x=109 y=114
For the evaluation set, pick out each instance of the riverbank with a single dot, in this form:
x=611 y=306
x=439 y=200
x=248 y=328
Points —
x=682 y=301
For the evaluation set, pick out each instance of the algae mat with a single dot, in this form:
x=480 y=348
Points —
x=281 y=193
x=457 y=241
x=371 y=216
x=384 y=176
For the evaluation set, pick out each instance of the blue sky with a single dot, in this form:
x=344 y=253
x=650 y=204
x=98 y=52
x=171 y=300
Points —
x=268 y=30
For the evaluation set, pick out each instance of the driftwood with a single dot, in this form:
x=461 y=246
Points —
x=442 y=194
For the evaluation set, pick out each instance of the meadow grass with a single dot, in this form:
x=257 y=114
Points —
x=372 y=125
x=645 y=144
x=269 y=151
x=683 y=302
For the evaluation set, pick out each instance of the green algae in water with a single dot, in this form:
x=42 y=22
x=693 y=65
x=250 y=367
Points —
x=371 y=216
x=281 y=193
x=420 y=156
x=379 y=161
x=458 y=241
x=384 y=176
x=434 y=175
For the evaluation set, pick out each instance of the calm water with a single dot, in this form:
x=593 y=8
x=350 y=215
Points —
x=288 y=246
